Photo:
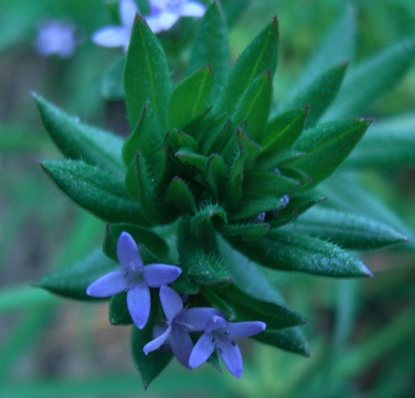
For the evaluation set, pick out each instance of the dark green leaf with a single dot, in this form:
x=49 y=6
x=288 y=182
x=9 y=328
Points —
x=95 y=190
x=199 y=255
x=147 y=76
x=252 y=206
x=73 y=281
x=216 y=172
x=327 y=145
x=319 y=94
x=247 y=231
x=249 y=149
x=211 y=45
x=191 y=157
x=205 y=217
x=261 y=55
x=118 y=312
x=179 y=194
x=367 y=82
x=292 y=251
x=190 y=98
x=141 y=235
x=112 y=87
x=233 y=9
x=233 y=193
x=81 y=142
x=254 y=106
x=268 y=183
x=289 y=339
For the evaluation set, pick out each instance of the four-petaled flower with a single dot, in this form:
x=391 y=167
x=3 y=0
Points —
x=165 y=13
x=118 y=36
x=219 y=335
x=135 y=278
x=179 y=323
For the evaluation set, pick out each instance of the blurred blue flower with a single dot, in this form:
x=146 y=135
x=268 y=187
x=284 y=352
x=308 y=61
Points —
x=219 y=335
x=179 y=323
x=164 y=14
x=135 y=278
x=56 y=37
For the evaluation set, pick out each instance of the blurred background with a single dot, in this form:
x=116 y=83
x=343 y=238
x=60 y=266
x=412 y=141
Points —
x=361 y=333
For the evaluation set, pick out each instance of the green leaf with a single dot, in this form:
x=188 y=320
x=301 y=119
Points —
x=233 y=193
x=368 y=81
x=289 y=339
x=199 y=255
x=386 y=144
x=282 y=131
x=151 y=365
x=179 y=194
x=233 y=9
x=190 y=98
x=205 y=217
x=118 y=311
x=254 y=106
x=192 y=158
x=211 y=46
x=145 y=137
x=346 y=230
x=248 y=308
x=81 y=142
x=216 y=172
x=327 y=145
x=258 y=183
x=95 y=190
x=73 y=281
x=292 y=251
x=260 y=56
x=112 y=87
x=147 y=76
x=337 y=46
x=319 y=94
x=247 y=231
x=249 y=149
x=252 y=206
x=140 y=235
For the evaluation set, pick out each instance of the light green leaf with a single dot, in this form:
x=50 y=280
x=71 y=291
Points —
x=112 y=87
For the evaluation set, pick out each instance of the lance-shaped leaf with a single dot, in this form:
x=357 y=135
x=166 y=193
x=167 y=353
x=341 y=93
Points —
x=347 y=230
x=387 y=143
x=368 y=81
x=95 y=190
x=337 y=45
x=79 y=141
x=216 y=172
x=145 y=137
x=247 y=231
x=147 y=76
x=186 y=155
x=217 y=137
x=261 y=55
x=262 y=183
x=292 y=251
x=233 y=9
x=118 y=311
x=205 y=217
x=176 y=140
x=112 y=87
x=289 y=339
x=249 y=149
x=275 y=315
x=319 y=94
x=211 y=46
x=73 y=281
x=151 y=365
x=141 y=235
x=199 y=255
x=190 y=98
x=327 y=145
x=179 y=195
x=233 y=192
x=282 y=131
x=254 y=106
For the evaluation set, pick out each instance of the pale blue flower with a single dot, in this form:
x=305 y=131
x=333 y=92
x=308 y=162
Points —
x=219 y=336
x=118 y=36
x=165 y=13
x=179 y=323
x=56 y=37
x=135 y=278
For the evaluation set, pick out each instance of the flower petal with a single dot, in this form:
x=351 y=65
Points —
x=245 y=329
x=171 y=302
x=181 y=344
x=231 y=356
x=111 y=36
x=138 y=302
x=128 y=10
x=214 y=323
x=128 y=254
x=157 y=275
x=156 y=343
x=197 y=318
x=193 y=9
x=109 y=284
x=202 y=350
x=162 y=21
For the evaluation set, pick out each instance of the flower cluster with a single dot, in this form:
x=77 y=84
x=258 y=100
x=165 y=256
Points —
x=164 y=14
x=174 y=332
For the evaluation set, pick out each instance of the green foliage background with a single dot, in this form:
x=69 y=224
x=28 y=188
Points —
x=360 y=332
